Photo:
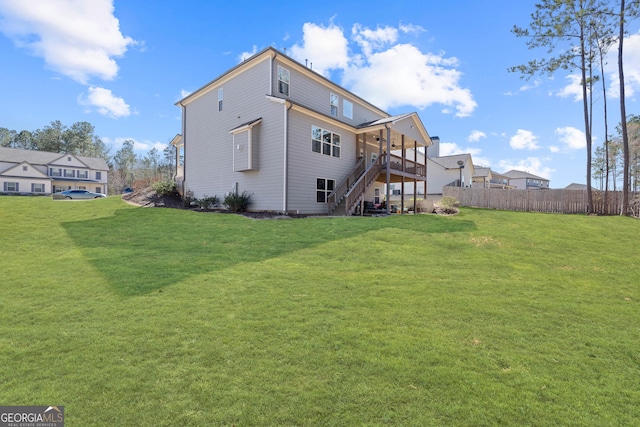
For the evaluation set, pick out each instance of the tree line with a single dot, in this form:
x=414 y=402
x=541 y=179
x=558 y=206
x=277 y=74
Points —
x=577 y=36
x=126 y=167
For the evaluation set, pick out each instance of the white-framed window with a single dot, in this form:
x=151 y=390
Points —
x=37 y=188
x=334 y=100
x=55 y=172
x=347 y=109
x=83 y=174
x=11 y=186
x=220 y=98
x=98 y=175
x=374 y=157
x=325 y=142
x=283 y=81
x=324 y=187
x=181 y=156
x=69 y=173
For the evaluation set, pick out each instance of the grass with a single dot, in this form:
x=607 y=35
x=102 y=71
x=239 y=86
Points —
x=135 y=316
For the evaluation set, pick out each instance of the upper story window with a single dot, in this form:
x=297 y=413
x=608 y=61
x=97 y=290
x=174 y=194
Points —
x=325 y=142
x=69 y=173
x=334 y=104
x=55 y=172
x=25 y=168
x=83 y=174
x=220 y=98
x=283 y=81
x=68 y=158
x=347 y=109
x=98 y=175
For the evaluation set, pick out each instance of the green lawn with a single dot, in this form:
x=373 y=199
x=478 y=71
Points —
x=156 y=317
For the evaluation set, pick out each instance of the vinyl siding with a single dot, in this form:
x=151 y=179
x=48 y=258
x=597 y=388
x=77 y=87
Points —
x=315 y=95
x=209 y=145
x=305 y=165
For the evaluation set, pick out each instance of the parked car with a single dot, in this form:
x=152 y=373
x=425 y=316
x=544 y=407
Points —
x=80 y=194
x=127 y=190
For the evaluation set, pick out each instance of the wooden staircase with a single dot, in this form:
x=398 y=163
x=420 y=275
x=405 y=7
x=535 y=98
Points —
x=350 y=192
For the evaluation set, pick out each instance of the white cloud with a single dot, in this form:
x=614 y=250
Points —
x=574 y=88
x=141 y=147
x=246 y=55
x=379 y=68
x=184 y=93
x=411 y=29
x=105 y=103
x=572 y=138
x=524 y=140
x=631 y=48
x=476 y=136
x=535 y=84
x=530 y=164
x=325 y=47
x=78 y=39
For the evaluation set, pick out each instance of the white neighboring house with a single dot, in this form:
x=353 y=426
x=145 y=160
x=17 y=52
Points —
x=42 y=172
x=521 y=180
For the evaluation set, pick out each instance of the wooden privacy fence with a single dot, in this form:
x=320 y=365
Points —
x=557 y=201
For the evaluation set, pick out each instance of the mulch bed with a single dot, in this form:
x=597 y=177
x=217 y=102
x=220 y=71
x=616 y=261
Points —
x=149 y=198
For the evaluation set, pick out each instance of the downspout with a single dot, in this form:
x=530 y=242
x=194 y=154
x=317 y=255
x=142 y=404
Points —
x=184 y=144
x=287 y=107
x=388 y=178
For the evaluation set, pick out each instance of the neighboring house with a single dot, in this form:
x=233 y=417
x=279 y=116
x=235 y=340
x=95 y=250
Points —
x=526 y=181
x=499 y=180
x=456 y=170
x=294 y=140
x=179 y=176
x=42 y=172
x=575 y=186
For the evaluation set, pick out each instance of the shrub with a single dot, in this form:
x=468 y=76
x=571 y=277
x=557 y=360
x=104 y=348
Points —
x=448 y=202
x=207 y=202
x=447 y=205
x=165 y=188
x=188 y=199
x=237 y=202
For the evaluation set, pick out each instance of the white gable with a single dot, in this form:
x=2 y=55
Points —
x=68 y=160
x=24 y=169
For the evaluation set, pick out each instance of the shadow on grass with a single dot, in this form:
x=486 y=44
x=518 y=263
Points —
x=143 y=250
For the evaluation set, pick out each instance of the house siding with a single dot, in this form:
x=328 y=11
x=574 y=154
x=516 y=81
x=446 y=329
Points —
x=305 y=165
x=315 y=95
x=209 y=145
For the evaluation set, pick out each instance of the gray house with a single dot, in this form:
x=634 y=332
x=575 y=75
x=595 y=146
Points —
x=293 y=139
x=43 y=172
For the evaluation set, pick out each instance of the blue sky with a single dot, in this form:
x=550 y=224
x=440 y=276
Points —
x=122 y=65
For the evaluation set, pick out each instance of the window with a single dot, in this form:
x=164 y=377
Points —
x=347 y=109
x=37 y=188
x=325 y=142
x=98 y=175
x=25 y=168
x=69 y=173
x=283 y=81
x=334 y=104
x=324 y=187
x=181 y=156
x=220 y=98
x=83 y=174
x=11 y=186
x=55 y=172
x=82 y=187
x=68 y=158
x=98 y=189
